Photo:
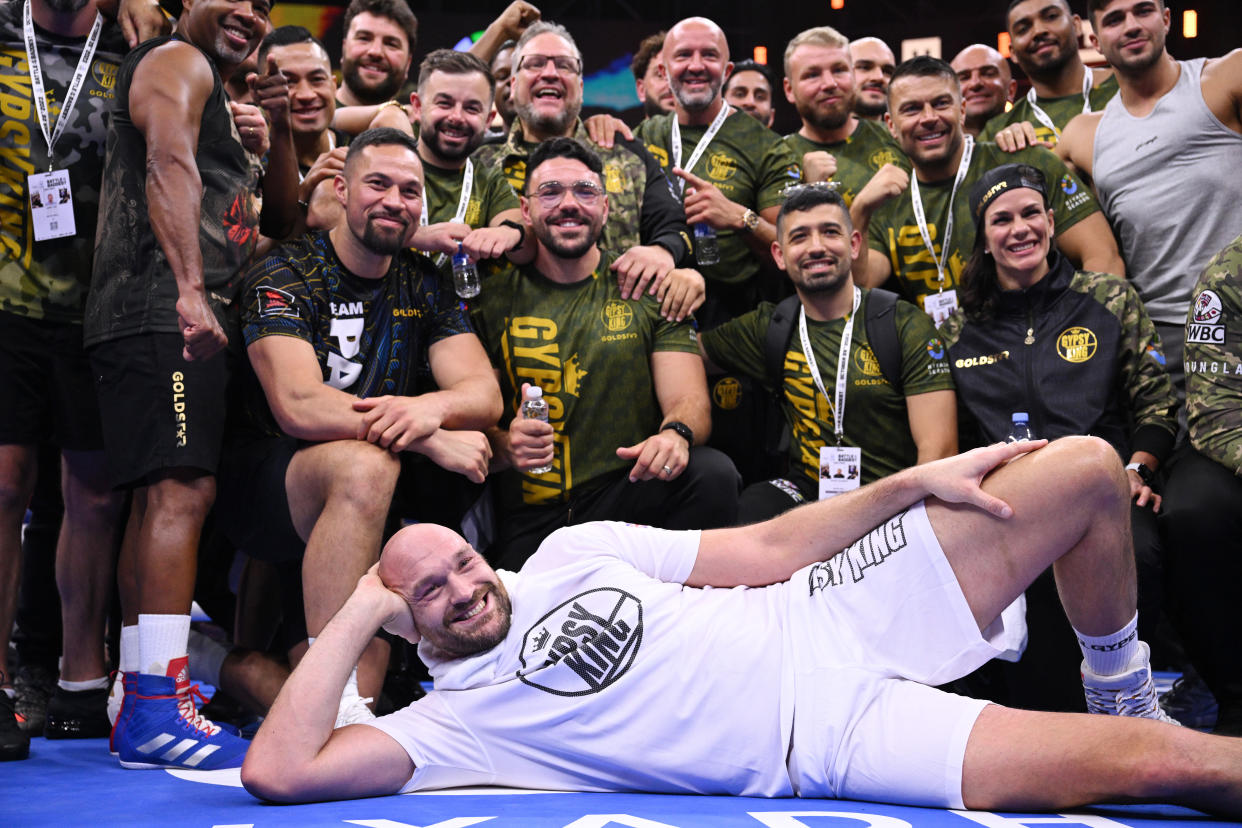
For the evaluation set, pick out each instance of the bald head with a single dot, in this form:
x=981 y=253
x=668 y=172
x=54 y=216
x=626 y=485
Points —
x=987 y=84
x=696 y=56
x=410 y=547
x=873 y=69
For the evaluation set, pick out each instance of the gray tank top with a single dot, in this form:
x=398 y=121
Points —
x=1171 y=186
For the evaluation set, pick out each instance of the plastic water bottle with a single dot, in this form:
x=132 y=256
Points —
x=706 y=245
x=1021 y=428
x=535 y=407
x=465 y=275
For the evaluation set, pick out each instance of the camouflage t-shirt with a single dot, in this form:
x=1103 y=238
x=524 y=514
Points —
x=1214 y=359
x=894 y=232
x=1060 y=111
x=748 y=162
x=641 y=207
x=858 y=157
x=48 y=279
x=590 y=351
x=489 y=195
x=875 y=413
x=370 y=336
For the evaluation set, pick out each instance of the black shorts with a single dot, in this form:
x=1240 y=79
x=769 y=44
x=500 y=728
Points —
x=252 y=503
x=159 y=411
x=45 y=383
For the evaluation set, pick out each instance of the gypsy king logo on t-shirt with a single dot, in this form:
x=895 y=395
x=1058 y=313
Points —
x=583 y=645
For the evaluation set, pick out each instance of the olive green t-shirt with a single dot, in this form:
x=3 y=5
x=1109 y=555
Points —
x=875 y=413
x=590 y=351
x=894 y=232
x=858 y=157
x=1214 y=359
x=489 y=195
x=746 y=161
x=1060 y=111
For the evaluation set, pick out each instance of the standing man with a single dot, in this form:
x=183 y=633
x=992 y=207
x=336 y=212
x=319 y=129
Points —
x=1183 y=115
x=45 y=380
x=179 y=191
x=1043 y=36
x=889 y=426
x=732 y=171
x=987 y=84
x=501 y=68
x=873 y=70
x=376 y=51
x=749 y=88
x=647 y=227
x=834 y=144
x=650 y=79
x=627 y=397
x=924 y=232
x=361 y=357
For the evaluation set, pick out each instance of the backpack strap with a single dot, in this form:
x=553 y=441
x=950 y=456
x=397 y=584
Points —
x=776 y=342
x=881 y=323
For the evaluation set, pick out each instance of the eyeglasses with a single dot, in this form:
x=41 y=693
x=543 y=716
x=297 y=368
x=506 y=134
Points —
x=564 y=64
x=552 y=193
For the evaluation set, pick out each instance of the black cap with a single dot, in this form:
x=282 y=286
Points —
x=1002 y=179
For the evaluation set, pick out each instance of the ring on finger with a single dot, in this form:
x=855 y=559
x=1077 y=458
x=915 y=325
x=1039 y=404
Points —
x=668 y=469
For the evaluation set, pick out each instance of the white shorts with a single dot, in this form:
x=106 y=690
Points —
x=869 y=630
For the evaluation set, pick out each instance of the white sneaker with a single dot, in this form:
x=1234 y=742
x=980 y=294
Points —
x=1131 y=693
x=353 y=710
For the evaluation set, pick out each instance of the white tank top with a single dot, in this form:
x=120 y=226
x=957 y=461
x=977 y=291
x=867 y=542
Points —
x=1171 y=186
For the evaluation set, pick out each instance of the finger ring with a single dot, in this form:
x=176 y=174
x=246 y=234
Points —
x=668 y=469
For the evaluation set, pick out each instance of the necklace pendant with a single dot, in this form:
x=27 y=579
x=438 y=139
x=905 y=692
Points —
x=1030 y=336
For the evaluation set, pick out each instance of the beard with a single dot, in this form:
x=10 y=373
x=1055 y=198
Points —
x=66 y=6
x=431 y=133
x=383 y=240
x=867 y=110
x=828 y=282
x=557 y=123
x=384 y=90
x=457 y=644
x=567 y=248
x=827 y=119
x=698 y=101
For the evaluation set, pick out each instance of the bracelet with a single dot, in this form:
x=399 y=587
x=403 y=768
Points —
x=521 y=233
x=681 y=428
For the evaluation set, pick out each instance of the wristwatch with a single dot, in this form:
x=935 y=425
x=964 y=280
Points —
x=1145 y=474
x=750 y=220
x=681 y=428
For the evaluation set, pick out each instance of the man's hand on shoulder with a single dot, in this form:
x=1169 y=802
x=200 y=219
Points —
x=603 y=129
x=681 y=293
x=1019 y=136
x=394 y=423
x=642 y=267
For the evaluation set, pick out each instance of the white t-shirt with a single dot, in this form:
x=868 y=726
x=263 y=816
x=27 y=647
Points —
x=606 y=648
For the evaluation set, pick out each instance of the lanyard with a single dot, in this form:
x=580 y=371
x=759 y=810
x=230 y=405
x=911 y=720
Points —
x=1043 y=117
x=968 y=149
x=467 y=187
x=700 y=147
x=843 y=364
x=50 y=133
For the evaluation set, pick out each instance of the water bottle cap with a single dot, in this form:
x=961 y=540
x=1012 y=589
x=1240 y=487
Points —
x=534 y=392
x=1021 y=417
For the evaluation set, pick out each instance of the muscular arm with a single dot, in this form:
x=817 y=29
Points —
x=933 y=424
x=470 y=395
x=1090 y=245
x=305 y=407
x=770 y=552
x=296 y=756
x=1077 y=145
x=681 y=390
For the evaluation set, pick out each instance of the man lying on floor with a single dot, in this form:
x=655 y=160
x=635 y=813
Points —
x=609 y=663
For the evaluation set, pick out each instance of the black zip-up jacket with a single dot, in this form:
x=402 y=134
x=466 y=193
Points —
x=1077 y=351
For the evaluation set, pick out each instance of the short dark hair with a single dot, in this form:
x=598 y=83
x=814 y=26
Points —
x=452 y=62
x=923 y=66
x=648 y=49
x=749 y=65
x=1094 y=6
x=379 y=137
x=803 y=197
x=288 y=36
x=398 y=11
x=561 y=148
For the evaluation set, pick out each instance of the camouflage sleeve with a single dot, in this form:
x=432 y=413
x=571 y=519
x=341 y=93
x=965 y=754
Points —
x=498 y=194
x=663 y=219
x=275 y=302
x=1072 y=201
x=670 y=336
x=779 y=169
x=1141 y=373
x=737 y=345
x=1214 y=359
x=924 y=355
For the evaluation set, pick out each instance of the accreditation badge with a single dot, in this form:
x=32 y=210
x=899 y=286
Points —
x=51 y=204
x=840 y=470
x=940 y=306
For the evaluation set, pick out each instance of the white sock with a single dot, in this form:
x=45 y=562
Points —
x=161 y=638
x=206 y=656
x=129 y=648
x=1108 y=655
x=100 y=683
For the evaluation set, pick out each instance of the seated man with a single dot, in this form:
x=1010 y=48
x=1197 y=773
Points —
x=626 y=391
x=602 y=665
x=893 y=374
x=360 y=354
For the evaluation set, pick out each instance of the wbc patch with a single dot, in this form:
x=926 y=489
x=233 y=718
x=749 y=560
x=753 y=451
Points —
x=275 y=302
x=1206 y=325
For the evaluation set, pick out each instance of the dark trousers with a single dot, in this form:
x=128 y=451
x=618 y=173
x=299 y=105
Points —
x=703 y=496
